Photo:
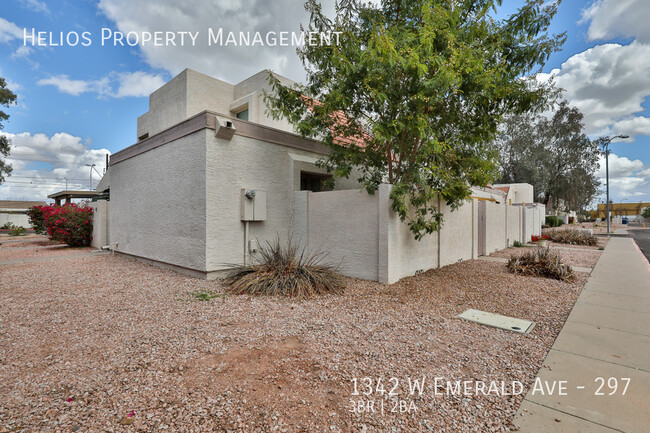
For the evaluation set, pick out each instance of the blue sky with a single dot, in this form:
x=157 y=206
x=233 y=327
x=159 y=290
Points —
x=76 y=103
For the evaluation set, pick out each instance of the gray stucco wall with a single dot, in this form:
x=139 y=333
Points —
x=514 y=224
x=247 y=163
x=158 y=205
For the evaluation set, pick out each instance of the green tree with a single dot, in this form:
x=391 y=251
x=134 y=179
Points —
x=7 y=97
x=554 y=155
x=413 y=93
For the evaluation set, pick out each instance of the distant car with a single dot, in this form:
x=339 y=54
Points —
x=624 y=220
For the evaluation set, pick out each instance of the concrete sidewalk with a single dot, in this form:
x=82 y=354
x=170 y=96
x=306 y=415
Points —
x=607 y=335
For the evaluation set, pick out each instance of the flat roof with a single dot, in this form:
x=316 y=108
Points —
x=74 y=194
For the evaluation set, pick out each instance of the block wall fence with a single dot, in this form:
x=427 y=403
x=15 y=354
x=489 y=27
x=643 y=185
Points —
x=362 y=234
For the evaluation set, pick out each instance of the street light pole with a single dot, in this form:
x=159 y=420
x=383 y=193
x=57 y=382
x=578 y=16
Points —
x=90 y=187
x=605 y=144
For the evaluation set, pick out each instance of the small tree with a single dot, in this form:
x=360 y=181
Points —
x=646 y=213
x=7 y=97
x=554 y=155
x=413 y=93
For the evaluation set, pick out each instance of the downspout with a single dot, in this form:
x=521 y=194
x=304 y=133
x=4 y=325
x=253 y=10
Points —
x=245 y=242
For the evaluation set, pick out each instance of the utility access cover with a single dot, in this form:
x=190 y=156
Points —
x=497 y=321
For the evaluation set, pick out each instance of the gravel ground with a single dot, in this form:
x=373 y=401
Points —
x=574 y=255
x=36 y=247
x=108 y=344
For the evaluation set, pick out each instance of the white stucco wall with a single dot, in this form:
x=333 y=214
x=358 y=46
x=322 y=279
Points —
x=158 y=204
x=185 y=95
x=20 y=220
x=513 y=232
x=456 y=235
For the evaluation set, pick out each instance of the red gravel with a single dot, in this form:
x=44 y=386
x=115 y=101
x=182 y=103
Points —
x=86 y=341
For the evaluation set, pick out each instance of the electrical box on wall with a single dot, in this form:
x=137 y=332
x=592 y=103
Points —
x=253 y=205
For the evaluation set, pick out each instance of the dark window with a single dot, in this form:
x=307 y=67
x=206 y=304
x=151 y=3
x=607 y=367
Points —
x=143 y=137
x=243 y=115
x=314 y=182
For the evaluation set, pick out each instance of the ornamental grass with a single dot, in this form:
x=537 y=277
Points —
x=540 y=262
x=284 y=269
x=572 y=237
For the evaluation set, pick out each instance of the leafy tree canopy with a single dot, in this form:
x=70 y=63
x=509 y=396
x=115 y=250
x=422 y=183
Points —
x=422 y=86
x=554 y=155
x=7 y=97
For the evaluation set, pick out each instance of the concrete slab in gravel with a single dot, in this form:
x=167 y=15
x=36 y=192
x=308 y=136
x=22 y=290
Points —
x=541 y=419
x=498 y=321
x=605 y=344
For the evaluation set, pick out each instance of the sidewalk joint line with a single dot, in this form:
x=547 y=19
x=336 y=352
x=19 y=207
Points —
x=607 y=327
x=602 y=360
x=575 y=416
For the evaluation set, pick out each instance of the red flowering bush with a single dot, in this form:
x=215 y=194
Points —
x=536 y=238
x=36 y=219
x=70 y=224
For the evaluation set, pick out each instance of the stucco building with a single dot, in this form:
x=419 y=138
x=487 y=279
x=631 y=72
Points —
x=211 y=174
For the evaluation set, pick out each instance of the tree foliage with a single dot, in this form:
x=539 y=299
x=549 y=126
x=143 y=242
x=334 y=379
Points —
x=554 y=155
x=413 y=93
x=7 y=97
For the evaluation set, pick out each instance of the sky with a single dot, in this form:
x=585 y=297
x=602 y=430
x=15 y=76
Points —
x=81 y=88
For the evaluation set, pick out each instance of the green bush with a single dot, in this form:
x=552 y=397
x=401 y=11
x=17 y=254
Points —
x=16 y=230
x=553 y=221
x=646 y=213
x=517 y=244
x=37 y=219
x=284 y=270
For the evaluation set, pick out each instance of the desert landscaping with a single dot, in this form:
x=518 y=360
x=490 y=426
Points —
x=99 y=342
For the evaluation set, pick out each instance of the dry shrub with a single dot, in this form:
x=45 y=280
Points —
x=572 y=236
x=284 y=269
x=540 y=262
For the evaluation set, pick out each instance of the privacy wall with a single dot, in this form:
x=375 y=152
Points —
x=362 y=234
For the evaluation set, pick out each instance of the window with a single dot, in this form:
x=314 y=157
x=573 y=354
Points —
x=143 y=137
x=243 y=115
x=314 y=182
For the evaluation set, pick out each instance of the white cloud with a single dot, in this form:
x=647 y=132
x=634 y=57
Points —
x=611 y=18
x=619 y=166
x=9 y=31
x=36 y=6
x=628 y=178
x=22 y=51
x=138 y=84
x=231 y=63
x=608 y=83
x=116 y=85
x=71 y=87
x=66 y=156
